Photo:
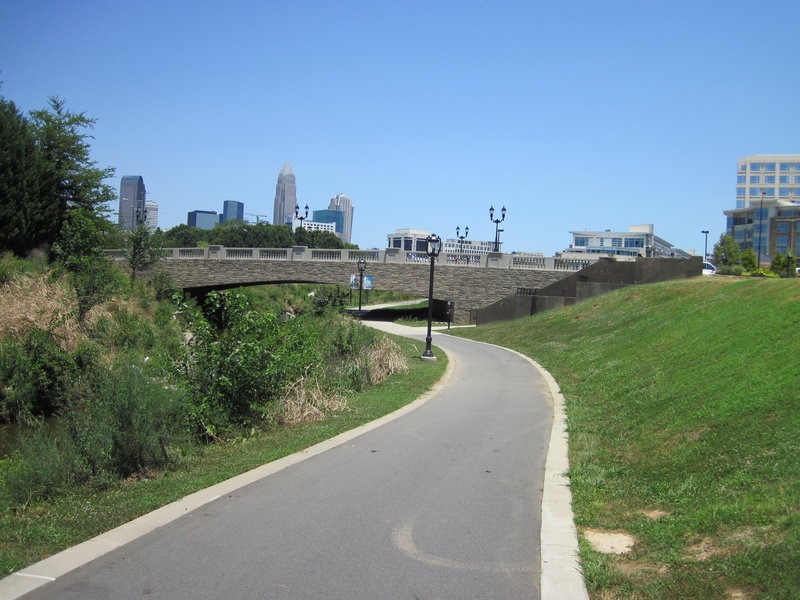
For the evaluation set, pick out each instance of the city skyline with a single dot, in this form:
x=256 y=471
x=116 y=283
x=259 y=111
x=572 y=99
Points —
x=573 y=116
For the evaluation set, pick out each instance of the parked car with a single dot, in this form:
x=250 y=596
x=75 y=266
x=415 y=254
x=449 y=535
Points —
x=709 y=269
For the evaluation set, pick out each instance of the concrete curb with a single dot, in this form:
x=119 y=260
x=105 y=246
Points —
x=561 y=577
x=49 y=569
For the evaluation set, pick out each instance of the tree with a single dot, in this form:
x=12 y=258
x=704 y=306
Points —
x=22 y=224
x=45 y=171
x=143 y=249
x=79 y=249
x=749 y=260
x=726 y=251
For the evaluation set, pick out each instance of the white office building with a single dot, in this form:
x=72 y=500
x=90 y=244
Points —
x=639 y=240
x=767 y=213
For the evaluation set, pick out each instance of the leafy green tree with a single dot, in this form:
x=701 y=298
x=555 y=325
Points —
x=783 y=264
x=143 y=249
x=726 y=251
x=749 y=260
x=23 y=225
x=71 y=180
x=79 y=249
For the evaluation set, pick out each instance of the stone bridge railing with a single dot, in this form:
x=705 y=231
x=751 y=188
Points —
x=495 y=260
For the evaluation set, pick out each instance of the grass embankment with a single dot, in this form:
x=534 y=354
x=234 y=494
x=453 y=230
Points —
x=683 y=409
x=40 y=530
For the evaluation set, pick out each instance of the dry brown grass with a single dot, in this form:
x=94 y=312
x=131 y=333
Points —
x=305 y=402
x=33 y=301
x=385 y=358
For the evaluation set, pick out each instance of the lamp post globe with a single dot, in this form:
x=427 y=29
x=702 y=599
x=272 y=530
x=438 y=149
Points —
x=432 y=249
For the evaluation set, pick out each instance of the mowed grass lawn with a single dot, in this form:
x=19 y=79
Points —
x=683 y=409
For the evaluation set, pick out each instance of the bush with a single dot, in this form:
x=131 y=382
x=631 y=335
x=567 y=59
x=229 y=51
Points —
x=35 y=377
x=125 y=423
x=41 y=466
x=240 y=363
x=730 y=270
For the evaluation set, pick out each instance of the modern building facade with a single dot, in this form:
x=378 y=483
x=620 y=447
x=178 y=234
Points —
x=132 y=198
x=313 y=225
x=152 y=215
x=232 y=210
x=639 y=240
x=767 y=213
x=285 y=197
x=331 y=216
x=204 y=219
x=411 y=240
x=343 y=204
x=471 y=247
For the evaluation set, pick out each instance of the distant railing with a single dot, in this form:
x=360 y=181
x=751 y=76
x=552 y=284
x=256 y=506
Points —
x=493 y=260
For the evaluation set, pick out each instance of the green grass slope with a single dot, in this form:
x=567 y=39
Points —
x=683 y=408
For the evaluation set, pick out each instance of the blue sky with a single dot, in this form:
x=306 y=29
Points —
x=580 y=115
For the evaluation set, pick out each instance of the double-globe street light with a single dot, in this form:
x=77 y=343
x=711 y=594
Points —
x=496 y=225
x=433 y=247
x=298 y=216
x=362 y=264
x=461 y=238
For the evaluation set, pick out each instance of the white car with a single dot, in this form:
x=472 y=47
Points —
x=709 y=269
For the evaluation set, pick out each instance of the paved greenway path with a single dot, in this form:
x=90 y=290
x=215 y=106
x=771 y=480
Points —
x=442 y=502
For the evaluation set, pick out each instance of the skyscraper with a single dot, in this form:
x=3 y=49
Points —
x=285 y=197
x=132 y=207
x=342 y=203
x=232 y=210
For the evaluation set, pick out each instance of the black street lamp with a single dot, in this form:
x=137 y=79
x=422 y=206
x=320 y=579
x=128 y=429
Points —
x=496 y=225
x=141 y=215
x=432 y=249
x=705 y=247
x=362 y=264
x=297 y=214
x=461 y=238
x=760 y=221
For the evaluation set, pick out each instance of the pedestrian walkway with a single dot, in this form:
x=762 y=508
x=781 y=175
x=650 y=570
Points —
x=439 y=500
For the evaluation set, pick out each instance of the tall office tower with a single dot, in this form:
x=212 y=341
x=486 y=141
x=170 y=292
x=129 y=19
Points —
x=342 y=202
x=767 y=213
x=232 y=210
x=152 y=215
x=285 y=197
x=132 y=207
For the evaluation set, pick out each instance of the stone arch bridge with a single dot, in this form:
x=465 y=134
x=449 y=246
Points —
x=469 y=281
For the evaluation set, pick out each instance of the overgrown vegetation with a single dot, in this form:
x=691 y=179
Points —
x=684 y=426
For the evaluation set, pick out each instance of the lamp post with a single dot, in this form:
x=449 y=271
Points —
x=705 y=246
x=432 y=249
x=298 y=216
x=141 y=216
x=461 y=238
x=760 y=219
x=496 y=225
x=362 y=264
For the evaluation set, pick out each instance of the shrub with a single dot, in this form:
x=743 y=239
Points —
x=731 y=270
x=35 y=376
x=125 y=423
x=40 y=467
x=241 y=361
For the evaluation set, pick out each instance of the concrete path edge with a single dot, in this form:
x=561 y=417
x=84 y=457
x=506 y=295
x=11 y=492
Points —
x=561 y=577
